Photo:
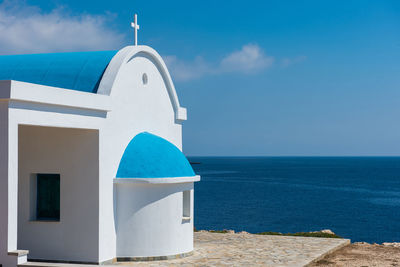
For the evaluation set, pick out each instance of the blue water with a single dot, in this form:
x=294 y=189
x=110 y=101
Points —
x=356 y=197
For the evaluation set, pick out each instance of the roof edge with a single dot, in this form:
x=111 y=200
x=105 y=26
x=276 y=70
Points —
x=163 y=180
x=125 y=55
x=43 y=94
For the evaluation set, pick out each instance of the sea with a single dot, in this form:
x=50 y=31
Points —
x=355 y=197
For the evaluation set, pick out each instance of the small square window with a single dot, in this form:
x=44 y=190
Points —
x=48 y=197
x=186 y=204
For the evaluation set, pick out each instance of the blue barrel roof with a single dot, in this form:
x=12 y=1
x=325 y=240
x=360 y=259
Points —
x=81 y=71
x=150 y=156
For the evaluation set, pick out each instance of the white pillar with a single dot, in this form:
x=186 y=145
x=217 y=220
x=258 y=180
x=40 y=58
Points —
x=4 y=186
x=9 y=257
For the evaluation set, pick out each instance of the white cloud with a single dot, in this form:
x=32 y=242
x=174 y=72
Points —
x=27 y=29
x=250 y=59
x=286 y=62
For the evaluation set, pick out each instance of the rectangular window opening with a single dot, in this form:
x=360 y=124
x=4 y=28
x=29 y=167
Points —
x=186 y=204
x=47 y=197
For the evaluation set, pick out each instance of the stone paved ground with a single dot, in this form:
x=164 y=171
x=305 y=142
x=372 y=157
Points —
x=242 y=249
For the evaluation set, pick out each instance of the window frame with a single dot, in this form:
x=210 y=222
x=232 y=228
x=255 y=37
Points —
x=186 y=204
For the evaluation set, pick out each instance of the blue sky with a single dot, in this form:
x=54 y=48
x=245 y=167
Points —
x=258 y=77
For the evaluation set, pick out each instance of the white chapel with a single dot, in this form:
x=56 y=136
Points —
x=91 y=168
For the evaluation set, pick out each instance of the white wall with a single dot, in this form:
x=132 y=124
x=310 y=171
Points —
x=73 y=153
x=150 y=222
x=35 y=108
x=135 y=108
x=7 y=242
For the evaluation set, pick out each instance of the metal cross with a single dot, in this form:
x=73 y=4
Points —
x=135 y=25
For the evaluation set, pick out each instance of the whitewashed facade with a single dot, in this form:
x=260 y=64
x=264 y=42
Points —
x=82 y=137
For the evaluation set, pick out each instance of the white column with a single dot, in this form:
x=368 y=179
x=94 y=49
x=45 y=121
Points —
x=9 y=256
x=4 y=186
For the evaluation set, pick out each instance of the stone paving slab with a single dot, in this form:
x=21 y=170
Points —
x=242 y=249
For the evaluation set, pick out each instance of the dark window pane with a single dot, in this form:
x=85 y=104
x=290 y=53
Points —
x=48 y=197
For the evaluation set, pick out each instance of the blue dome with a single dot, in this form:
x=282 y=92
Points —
x=81 y=71
x=150 y=156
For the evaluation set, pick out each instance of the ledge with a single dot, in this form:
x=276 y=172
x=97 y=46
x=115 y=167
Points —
x=186 y=219
x=18 y=253
x=166 y=180
x=181 y=114
x=16 y=91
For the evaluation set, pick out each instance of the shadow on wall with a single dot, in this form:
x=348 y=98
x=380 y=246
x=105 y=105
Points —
x=146 y=195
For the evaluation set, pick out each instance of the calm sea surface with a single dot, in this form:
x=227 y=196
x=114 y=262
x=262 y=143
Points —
x=356 y=197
